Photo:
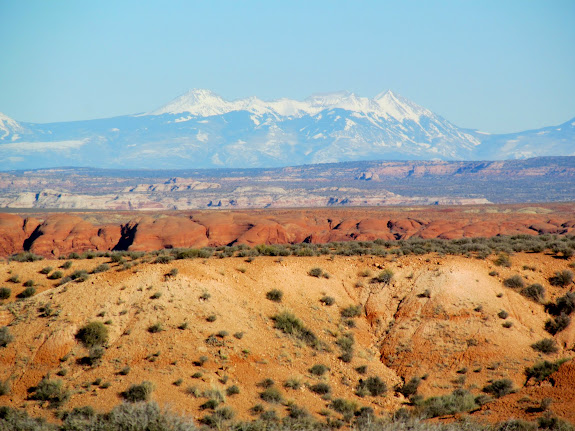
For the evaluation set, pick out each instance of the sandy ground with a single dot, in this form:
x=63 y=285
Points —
x=438 y=316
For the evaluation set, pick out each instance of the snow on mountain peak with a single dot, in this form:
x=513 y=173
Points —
x=8 y=127
x=204 y=103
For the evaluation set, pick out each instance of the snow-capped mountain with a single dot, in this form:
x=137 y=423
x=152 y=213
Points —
x=202 y=130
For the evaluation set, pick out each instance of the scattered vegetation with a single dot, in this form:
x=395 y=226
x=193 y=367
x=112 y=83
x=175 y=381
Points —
x=352 y=311
x=27 y=293
x=535 y=292
x=51 y=391
x=542 y=370
x=561 y=278
x=319 y=369
x=373 y=386
x=5 y=292
x=327 y=300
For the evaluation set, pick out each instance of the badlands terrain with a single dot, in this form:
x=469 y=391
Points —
x=323 y=328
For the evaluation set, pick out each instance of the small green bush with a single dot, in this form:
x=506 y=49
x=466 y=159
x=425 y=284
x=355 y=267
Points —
x=155 y=328
x=384 y=276
x=5 y=336
x=101 y=268
x=373 y=386
x=558 y=324
x=66 y=265
x=561 y=278
x=29 y=283
x=514 y=282
x=410 y=388
x=503 y=260
x=320 y=388
x=93 y=334
x=272 y=395
x=315 y=272
x=318 y=369
x=292 y=383
x=547 y=346
x=503 y=314
x=79 y=276
x=291 y=325
x=5 y=292
x=542 y=370
x=275 y=295
x=535 y=292
x=138 y=393
x=499 y=388
x=14 y=278
x=27 y=293
x=458 y=401
x=327 y=300
x=56 y=275
x=232 y=390
x=352 y=311
x=51 y=391
x=4 y=387
x=46 y=270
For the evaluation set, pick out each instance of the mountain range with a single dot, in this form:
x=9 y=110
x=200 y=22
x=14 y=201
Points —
x=202 y=130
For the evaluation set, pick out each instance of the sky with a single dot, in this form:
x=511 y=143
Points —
x=498 y=66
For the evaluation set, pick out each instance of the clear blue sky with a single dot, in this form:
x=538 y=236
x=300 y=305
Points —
x=498 y=66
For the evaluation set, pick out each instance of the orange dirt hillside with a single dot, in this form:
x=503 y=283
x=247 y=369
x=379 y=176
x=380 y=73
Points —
x=196 y=327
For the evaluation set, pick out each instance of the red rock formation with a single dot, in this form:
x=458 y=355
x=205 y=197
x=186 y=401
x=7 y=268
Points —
x=63 y=233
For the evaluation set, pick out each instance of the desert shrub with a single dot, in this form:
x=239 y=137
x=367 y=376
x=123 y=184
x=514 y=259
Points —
x=561 y=278
x=327 y=300
x=156 y=295
x=101 y=268
x=373 y=386
x=271 y=395
x=4 y=387
x=298 y=413
x=551 y=422
x=172 y=273
x=384 y=276
x=541 y=370
x=5 y=292
x=55 y=275
x=507 y=324
x=46 y=270
x=352 y=311
x=27 y=293
x=292 y=383
x=503 y=314
x=266 y=383
x=514 y=282
x=362 y=369
x=137 y=393
x=232 y=390
x=210 y=404
x=564 y=305
x=410 y=388
x=345 y=407
x=5 y=336
x=164 y=258
x=66 y=265
x=291 y=325
x=26 y=257
x=29 y=283
x=535 y=292
x=502 y=260
x=93 y=334
x=458 y=401
x=318 y=369
x=14 y=278
x=79 y=276
x=547 y=346
x=51 y=391
x=155 y=328
x=275 y=295
x=558 y=324
x=499 y=388
x=320 y=388
x=315 y=272
x=94 y=356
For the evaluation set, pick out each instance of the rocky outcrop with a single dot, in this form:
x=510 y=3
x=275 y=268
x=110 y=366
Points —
x=60 y=234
